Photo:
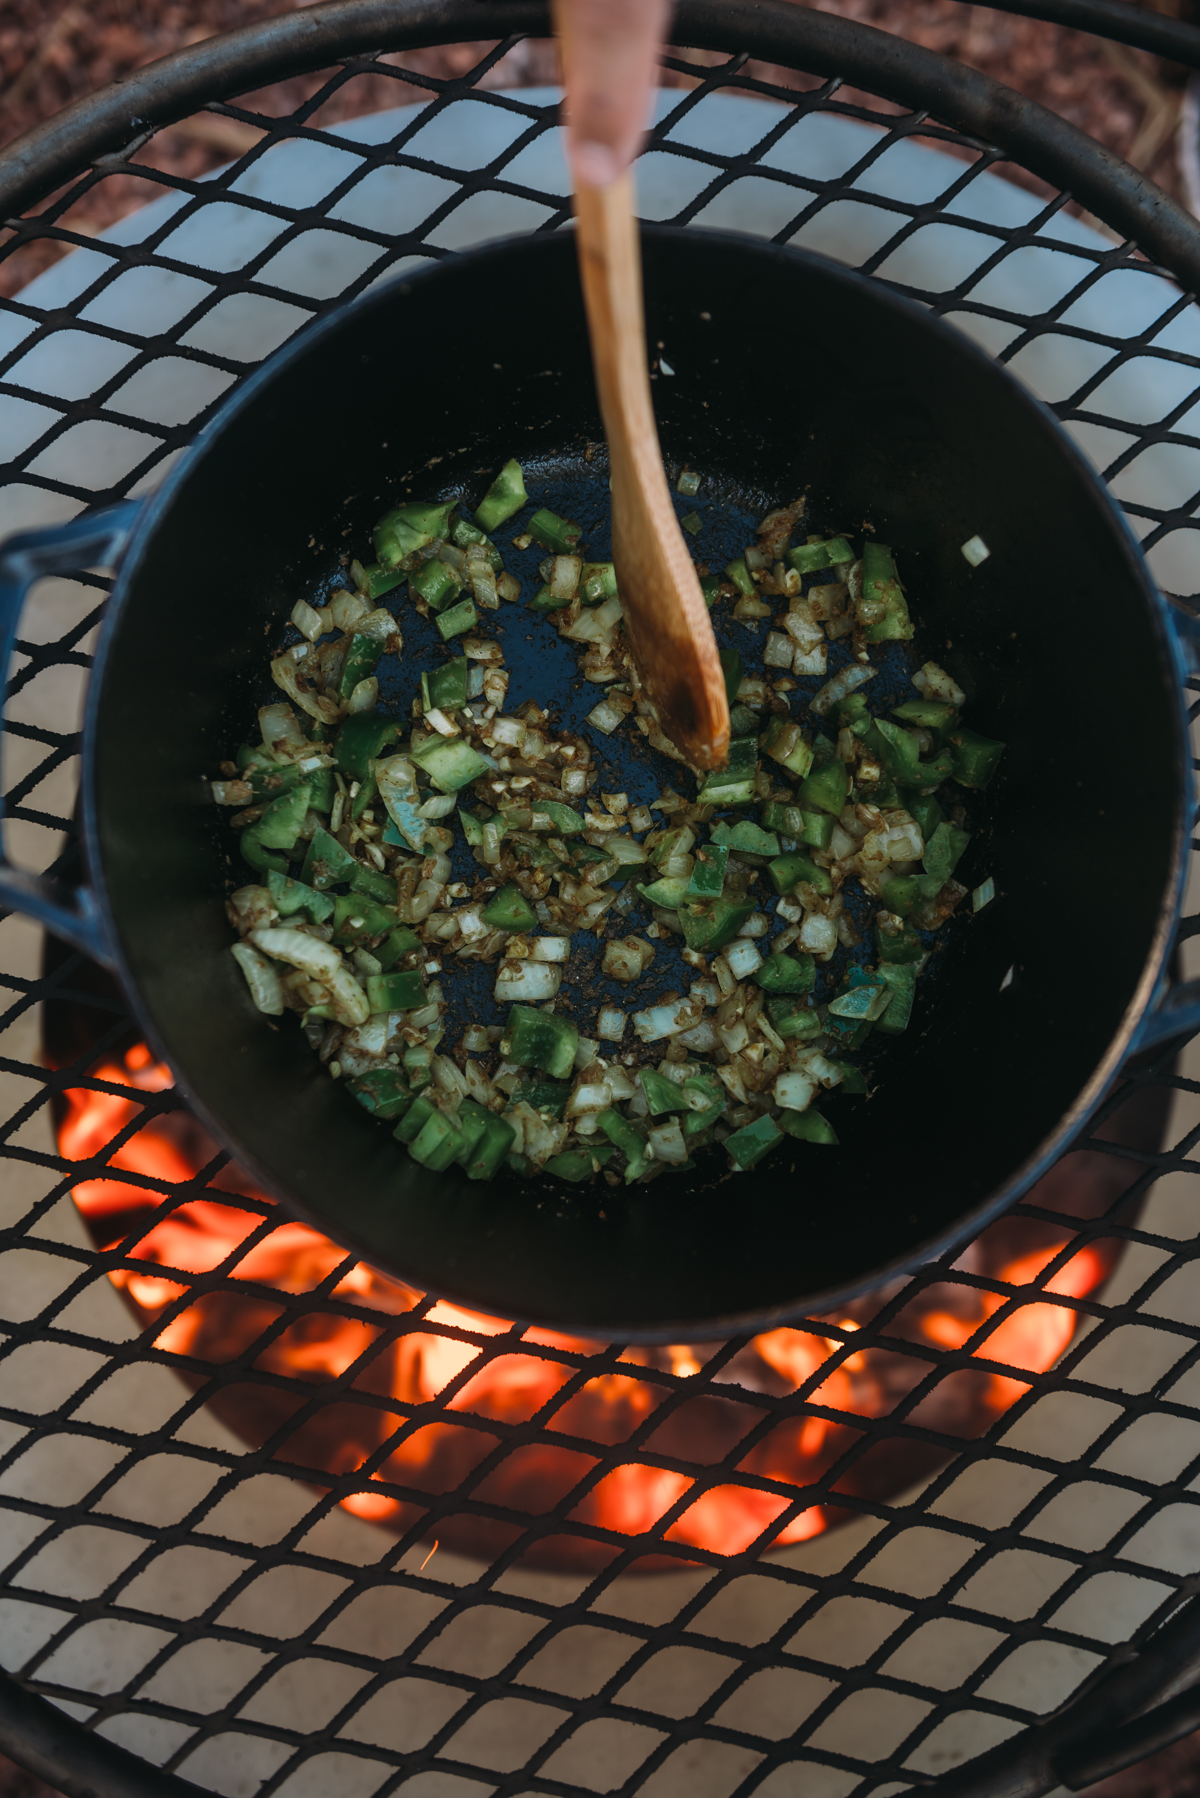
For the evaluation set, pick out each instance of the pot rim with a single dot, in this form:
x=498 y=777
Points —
x=970 y=1223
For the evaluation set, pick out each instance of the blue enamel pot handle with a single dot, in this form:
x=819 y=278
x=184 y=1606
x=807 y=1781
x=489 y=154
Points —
x=94 y=540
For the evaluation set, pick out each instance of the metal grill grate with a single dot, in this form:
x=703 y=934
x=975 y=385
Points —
x=216 y=1609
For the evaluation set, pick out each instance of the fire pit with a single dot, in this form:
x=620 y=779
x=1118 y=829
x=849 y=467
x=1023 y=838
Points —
x=273 y=1524
x=821 y=1450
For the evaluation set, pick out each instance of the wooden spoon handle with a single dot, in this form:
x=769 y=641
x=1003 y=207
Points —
x=665 y=616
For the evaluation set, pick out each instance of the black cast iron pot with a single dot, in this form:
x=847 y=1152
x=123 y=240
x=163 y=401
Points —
x=790 y=372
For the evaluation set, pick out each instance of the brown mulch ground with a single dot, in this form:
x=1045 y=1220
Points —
x=49 y=57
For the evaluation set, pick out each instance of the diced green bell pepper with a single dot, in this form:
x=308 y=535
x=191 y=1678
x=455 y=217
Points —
x=852 y=1077
x=790 y=1019
x=491 y=1151
x=564 y=821
x=573 y=1165
x=415 y=1119
x=748 y=1145
x=293 y=896
x=544 y=600
x=504 y=497
x=597 y=582
x=457 y=619
x=438 y=1143
x=327 y=864
x=408 y=528
x=787 y=974
x=898 y=945
x=866 y=995
x=746 y=838
x=418 y=1066
x=450 y=762
x=785 y=742
x=743 y=721
x=559 y=535
x=734 y=783
x=708 y=872
x=904 y=892
x=697 y=1122
x=258 y=855
x=472 y=1121
x=374 y=884
x=787 y=872
x=810 y=558
x=509 y=910
x=357 y=919
x=383 y=1092
x=446 y=687
x=280 y=824
x=368 y=793
x=737 y=572
x=898 y=750
x=548 y=1096
x=924 y=808
x=624 y=1136
x=361 y=738
x=670 y=894
x=539 y=1039
x=375 y=580
x=708 y=928
x=809 y=1126
x=733 y=668
x=851 y=1033
x=825 y=789
x=395 y=992
x=436 y=583
x=818 y=829
x=710 y=589
x=901 y=979
x=465 y=536
x=975 y=758
x=930 y=714
x=943 y=852
x=662 y=1095
x=397 y=944
x=362 y=659
x=883 y=609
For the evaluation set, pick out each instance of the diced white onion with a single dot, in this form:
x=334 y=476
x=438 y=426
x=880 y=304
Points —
x=596 y=1095
x=658 y=1021
x=508 y=733
x=527 y=982
x=475 y=1039
x=743 y=958
x=439 y=806
x=840 y=687
x=818 y=934
x=261 y=977
x=779 y=651
x=976 y=551
x=307 y=620
x=347 y=608
x=437 y=720
x=814 y=1065
x=734 y=1036
x=606 y=717
x=365 y=696
x=701 y=1038
x=627 y=958
x=935 y=683
x=794 y=1091
x=610 y=1025
x=666 y=1139
x=757 y=924
x=232 y=792
x=983 y=895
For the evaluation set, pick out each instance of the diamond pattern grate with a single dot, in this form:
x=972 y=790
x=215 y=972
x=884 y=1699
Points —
x=221 y=1610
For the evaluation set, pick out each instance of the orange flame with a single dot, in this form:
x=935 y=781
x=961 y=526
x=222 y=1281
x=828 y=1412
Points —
x=432 y=1454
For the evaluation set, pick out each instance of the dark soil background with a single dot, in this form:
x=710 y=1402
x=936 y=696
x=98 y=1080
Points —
x=53 y=54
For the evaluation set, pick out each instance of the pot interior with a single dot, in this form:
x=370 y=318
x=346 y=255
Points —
x=789 y=373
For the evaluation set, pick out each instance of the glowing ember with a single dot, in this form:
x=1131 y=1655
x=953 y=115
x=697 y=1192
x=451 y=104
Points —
x=431 y=1377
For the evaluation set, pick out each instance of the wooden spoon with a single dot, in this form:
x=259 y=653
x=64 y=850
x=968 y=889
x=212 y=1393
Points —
x=666 y=618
